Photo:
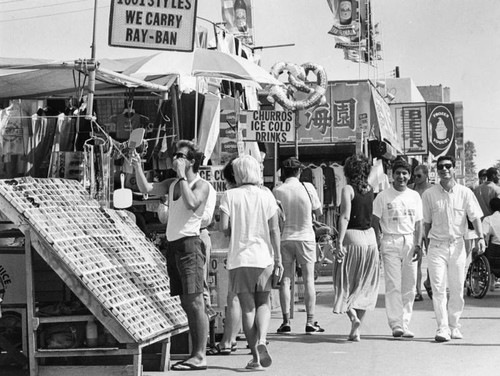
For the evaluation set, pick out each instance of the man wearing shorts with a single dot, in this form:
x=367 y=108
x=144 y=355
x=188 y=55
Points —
x=187 y=197
x=298 y=242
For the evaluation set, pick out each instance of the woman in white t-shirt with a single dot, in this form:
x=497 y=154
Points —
x=251 y=213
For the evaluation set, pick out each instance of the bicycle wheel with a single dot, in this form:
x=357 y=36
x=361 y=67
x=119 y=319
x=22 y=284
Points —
x=479 y=277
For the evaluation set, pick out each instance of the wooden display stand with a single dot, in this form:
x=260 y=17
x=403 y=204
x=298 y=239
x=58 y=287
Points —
x=125 y=287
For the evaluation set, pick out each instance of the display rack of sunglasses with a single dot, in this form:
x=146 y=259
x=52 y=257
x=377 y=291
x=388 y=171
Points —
x=107 y=262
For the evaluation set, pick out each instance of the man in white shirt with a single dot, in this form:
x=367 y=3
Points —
x=298 y=242
x=446 y=208
x=397 y=212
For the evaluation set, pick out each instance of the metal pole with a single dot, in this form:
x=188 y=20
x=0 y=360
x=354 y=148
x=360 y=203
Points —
x=90 y=100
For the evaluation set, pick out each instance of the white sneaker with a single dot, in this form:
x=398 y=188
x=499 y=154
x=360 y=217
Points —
x=442 y=335
x=456 y=334
x=397 y=332
x=407 y=333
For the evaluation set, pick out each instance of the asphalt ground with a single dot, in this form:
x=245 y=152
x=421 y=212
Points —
x=378 y=353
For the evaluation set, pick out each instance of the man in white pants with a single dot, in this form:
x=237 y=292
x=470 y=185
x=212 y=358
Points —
x=397 y=211
x=446 y=208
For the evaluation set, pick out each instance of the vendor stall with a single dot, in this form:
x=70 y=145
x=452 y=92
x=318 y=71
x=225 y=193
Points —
x=106 y=261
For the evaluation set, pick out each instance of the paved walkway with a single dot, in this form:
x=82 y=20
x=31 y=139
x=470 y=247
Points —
x=378 y=354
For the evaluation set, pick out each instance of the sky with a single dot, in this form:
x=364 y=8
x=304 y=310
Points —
x=453 y=43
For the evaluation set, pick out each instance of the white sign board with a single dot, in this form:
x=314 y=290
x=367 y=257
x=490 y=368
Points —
x=268 y=126
x=153 y=24
x=213 y=174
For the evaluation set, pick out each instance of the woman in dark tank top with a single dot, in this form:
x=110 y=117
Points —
x=356 y=272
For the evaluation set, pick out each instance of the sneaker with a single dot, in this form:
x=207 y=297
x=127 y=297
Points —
x=419 y=297
x=407 y=333
x=397 y=332
x=284 y=328
x=314 y=328
x=442 y=335
x=456 y=334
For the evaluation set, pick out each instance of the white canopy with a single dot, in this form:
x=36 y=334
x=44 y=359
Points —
x=24 y=78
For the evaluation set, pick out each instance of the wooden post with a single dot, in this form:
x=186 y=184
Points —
x=30 y=305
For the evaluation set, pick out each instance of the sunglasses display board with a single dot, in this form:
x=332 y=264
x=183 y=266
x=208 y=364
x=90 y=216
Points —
x=103 y=257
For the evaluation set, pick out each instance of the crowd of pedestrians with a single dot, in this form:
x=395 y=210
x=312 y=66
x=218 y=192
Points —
x=271 y=231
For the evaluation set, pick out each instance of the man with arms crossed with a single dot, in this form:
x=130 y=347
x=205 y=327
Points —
x=446 y=208
x=187 y=196
x=397 y=211
x=298 y=240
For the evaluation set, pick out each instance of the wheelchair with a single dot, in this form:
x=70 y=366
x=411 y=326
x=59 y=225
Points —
x=477 y=280
x=481 y=270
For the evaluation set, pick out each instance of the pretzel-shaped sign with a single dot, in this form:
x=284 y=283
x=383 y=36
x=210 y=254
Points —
x=297 y=75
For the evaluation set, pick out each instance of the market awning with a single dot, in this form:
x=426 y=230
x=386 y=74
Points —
x=25 y=78
x=203 y=63
x=385 y=124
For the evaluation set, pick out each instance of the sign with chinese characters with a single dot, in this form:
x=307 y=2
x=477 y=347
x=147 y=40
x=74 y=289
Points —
x=268 y=126
x=153 y=24
x=337 y=119
x=411 y=125
x=441 y=125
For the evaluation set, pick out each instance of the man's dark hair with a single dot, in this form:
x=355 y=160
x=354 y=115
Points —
x=401 y=163
x=491 y=173
x=481 y=173
x=289 y=172
x=495 y=204
x=193 y=154
x=447 y=158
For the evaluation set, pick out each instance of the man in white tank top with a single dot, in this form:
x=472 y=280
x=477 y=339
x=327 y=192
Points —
x=187 y=197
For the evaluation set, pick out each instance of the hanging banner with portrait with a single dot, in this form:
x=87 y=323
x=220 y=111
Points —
x=237 y=17
x=441 y=127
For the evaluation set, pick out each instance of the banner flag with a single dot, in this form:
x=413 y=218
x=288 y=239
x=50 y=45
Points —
x=237 y=16
x=353 y=30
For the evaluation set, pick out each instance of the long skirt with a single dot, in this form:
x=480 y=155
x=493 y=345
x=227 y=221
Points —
x=356 y=278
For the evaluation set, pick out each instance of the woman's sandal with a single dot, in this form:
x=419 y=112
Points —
x=217 y=350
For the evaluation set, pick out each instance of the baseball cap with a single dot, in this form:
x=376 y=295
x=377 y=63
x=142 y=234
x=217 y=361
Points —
x=292 y=162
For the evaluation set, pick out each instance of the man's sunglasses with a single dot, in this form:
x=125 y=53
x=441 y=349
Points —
x=418 y=175
x=444 y=165
x=180 y=155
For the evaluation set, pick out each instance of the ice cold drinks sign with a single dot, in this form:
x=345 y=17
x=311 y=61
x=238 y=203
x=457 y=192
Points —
x=268 y=126
x=153 y=24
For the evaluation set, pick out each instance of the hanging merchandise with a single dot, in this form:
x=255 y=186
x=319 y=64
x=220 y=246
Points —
x=126 y=122
x=97 y=169
x=14 y=130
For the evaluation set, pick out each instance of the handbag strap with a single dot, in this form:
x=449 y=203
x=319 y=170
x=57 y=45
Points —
x=310 y=199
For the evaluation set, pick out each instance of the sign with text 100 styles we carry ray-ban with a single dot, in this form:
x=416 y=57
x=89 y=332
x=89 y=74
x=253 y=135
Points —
x=268 y=126
x=153 y=24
